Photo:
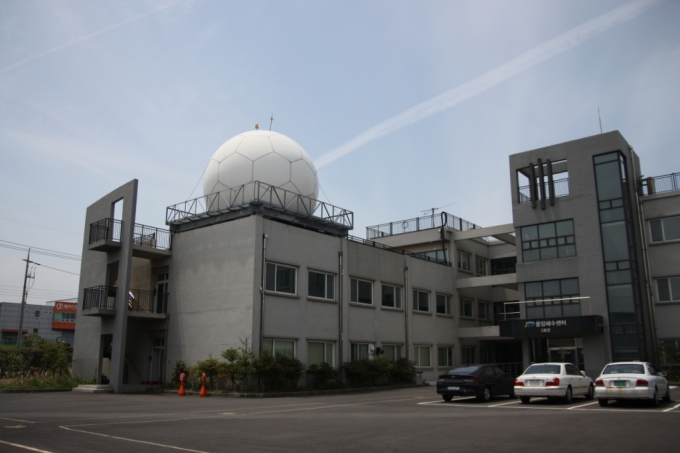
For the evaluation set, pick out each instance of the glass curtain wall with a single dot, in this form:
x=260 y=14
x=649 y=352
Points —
x=620 y=263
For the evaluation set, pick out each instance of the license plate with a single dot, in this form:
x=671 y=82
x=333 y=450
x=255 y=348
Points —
x=534 y=383
x=620 y=383
x=454 y=388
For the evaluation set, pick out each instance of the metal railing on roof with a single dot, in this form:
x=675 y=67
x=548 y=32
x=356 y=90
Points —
x=259 y=193
x=418 y=255
x=111 y=229
x=561 y=190
x=659 y=184
x=427 y=222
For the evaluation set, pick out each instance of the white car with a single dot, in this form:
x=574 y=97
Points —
x=553 y=380
x=631 y=380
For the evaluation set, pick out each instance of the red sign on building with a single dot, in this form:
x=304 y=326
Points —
x=64 y=317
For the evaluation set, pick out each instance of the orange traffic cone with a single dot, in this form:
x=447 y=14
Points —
x=203 y=390
x=181 y=392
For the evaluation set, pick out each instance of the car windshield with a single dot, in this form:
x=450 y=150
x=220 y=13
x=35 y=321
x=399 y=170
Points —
x=624 y=368
x=464 y=370
x=543 y=369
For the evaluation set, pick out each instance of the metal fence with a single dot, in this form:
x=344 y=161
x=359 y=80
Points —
x=561 y=190
x=258 y=193
x=105 y=230
x=99 y=297
x=418 y=224
x=659 y=184
x=420 y=256
x=151 y=236
x=138 y=300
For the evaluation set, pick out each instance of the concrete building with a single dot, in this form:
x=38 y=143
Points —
x=54 y=321
x=256 y=258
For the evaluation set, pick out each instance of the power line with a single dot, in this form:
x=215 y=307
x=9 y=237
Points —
x=40 y=226
x=39 y=251
x=60 y=270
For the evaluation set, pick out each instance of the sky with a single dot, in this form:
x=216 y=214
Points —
x=403 y=105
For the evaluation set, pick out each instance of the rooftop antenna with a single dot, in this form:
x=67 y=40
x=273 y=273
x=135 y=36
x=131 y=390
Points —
x=600 y=118
x=433 y=210
x=271 y=120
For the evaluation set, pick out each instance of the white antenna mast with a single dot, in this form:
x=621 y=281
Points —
x=599 y=118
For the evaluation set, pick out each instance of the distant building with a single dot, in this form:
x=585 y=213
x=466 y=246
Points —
x=55 y=321
x=586 y=273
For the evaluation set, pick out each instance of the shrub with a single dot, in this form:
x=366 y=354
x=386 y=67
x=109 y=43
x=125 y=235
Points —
x=324 y=376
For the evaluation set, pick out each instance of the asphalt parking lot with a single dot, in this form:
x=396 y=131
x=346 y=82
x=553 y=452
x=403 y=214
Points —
x=404 y=420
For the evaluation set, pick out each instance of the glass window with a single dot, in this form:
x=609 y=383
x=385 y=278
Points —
x=482 y=310
x=609 y=181
x=391 y=296
x=466 y=308
x=668 y=288
x=319 y=352
x=481 y=265
x=37 y=313
x=443 y=304
x=615 y=241
x=621 y=298
x=279 y=347
x=422 y=356
x=359 y=351
x=280 y=279
x=468 y=355
x=667 y=229
x=445 y=356
x=560 y=291
x=464 y=259
x=555 y=240
x=362 y=291
x=392 y=351
x=421 y=301
x=321 y=285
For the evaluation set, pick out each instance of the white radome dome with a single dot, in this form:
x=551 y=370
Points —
x=264 y=156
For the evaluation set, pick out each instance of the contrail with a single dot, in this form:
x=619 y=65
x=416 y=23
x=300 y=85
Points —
x=527 y=60
x=84 y=38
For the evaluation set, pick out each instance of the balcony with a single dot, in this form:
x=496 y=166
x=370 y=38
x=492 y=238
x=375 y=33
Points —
x=147 y=242
x=101 y=301
x=659 y=184
x=433 y=257
x=561 y=190
x=427 y=222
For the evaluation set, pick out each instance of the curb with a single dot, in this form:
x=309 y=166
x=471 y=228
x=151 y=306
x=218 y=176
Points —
x=300 y=393
x=35 y=390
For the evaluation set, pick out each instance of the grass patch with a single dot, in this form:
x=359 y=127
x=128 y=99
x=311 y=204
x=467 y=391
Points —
x=49 y=382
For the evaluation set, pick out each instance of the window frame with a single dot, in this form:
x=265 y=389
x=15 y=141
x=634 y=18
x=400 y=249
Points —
x=464 y=352
x=326 y=285
x=447 y=304
x=274 y=340
x=354 y=346
x=352 y=291
x=529 y=245
x=417 y=302
x=325 y=344
x=669 y=289
x=482 y=264
x=552 y=300
x=463 y=302
x=398 y=296
x=464 y=261
x=448 y=355
x=275 y=290
x=662 y=230
x=417 y=356
x=397 y=351
x=482 y=303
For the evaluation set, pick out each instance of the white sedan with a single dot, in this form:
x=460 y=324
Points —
x=631 y=380
x=553 y=380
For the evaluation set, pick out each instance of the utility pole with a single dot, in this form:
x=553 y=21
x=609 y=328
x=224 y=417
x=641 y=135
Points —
x=23 y=300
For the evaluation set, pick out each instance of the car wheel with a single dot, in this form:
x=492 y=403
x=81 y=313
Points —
x=525 y=399
x=603 y=402
x=569 y=395
x=655 y=399
x=668 y=398
x=447 y=398
x=591 y=392
x=485 y=396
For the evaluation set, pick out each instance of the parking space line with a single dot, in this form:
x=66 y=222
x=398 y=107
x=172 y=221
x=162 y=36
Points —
x=504 y=404
x=581 y=405
x=671 y=408
x=25 y=447
x=131 y=440
x=15 y=420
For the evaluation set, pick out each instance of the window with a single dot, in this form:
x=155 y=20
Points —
x=482 y=310
x=559 y=291
x=64 y=317
x=485 y=354
x=666 y=229
x=421 y=301
x=35 y=330
x=421 y=356
x=37 y=314
x=443 y=304
x=284 y=348
x=362 y=292
x=391 y=296
x=669 y=288
x=466 y=308
x=319 y=352
x=464 y=259
x=445 y=356
x=481 y=265
x=321 y=285
x=548 y=241
x=360 y=351
x=280 y=279
x=391 y=351
x=468 y=355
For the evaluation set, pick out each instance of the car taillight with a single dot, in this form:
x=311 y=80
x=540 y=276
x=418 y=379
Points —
x=599 y=383
x=641 y=383
x=519 y=383
x=470 y=379
x=554 y=382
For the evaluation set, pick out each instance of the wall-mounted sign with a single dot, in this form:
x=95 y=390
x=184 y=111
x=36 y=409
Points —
x=554 y=327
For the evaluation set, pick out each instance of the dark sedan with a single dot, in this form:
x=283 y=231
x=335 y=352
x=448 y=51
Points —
x=482 y=381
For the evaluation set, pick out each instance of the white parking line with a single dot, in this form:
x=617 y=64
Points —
x=24 y=447
x=671 y=408
x=581 y=405
x=15 y=420
x=504 y=404
x=131 y=440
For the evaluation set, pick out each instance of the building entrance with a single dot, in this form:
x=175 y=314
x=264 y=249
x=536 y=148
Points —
x=569 y=350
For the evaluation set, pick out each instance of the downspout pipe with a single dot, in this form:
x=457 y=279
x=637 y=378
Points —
x=262 y=285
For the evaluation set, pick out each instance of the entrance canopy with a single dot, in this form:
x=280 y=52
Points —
x=574 y=326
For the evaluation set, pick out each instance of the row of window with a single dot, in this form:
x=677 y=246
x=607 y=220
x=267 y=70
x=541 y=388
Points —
x=465 y=263
x=319 y=352
x=548 y=241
